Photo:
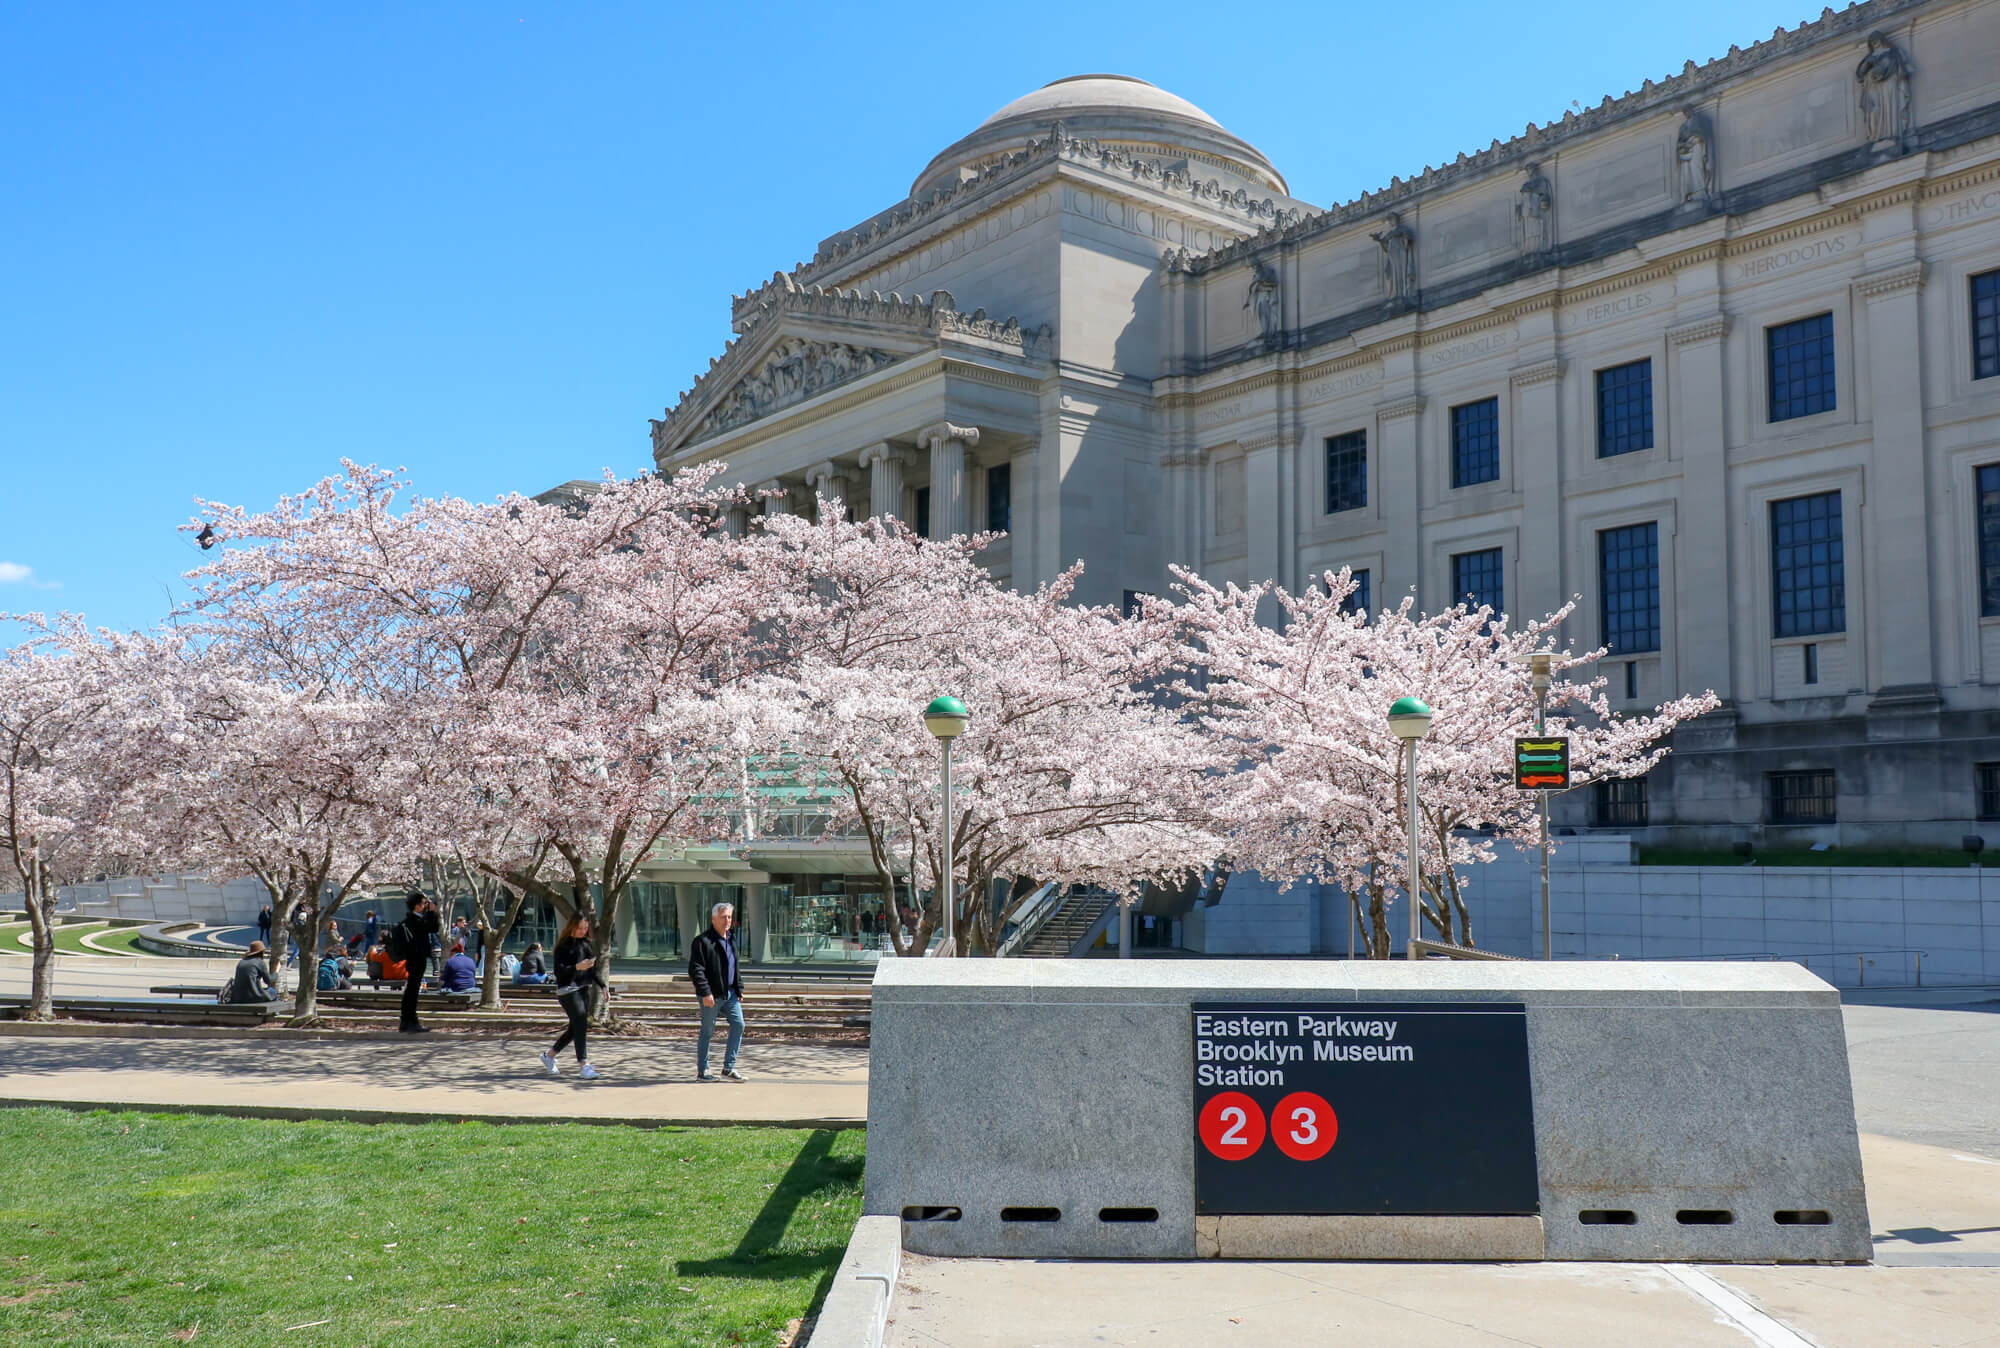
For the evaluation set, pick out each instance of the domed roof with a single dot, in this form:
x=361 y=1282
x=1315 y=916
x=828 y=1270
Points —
x=1117 y=109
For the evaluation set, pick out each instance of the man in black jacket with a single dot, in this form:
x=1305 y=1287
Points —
x=718 y=981
x=418 y=927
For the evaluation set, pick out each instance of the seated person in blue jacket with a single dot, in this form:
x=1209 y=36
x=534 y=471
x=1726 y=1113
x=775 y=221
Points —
x=534 y=967
x=459 y=974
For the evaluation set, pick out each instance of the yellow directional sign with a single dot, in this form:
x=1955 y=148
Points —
x=1541 y=764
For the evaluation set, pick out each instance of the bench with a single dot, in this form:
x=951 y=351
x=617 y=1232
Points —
x=132 y=1009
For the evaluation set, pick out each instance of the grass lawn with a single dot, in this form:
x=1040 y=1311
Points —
x=121 y=938
x=69 y=937
x=133 y=1228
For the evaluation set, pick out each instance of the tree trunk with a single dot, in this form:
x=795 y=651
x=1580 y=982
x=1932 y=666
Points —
x=41 y=924
x=1378 y=922
x=305 y=1005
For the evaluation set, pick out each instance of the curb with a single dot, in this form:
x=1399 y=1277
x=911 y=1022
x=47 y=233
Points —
x=339 y=1115
x=855 y=1313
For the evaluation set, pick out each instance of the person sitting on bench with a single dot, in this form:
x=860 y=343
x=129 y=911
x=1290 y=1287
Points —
x=459 y=973
x=385 y=970
x=534 y=968
x=251 y=983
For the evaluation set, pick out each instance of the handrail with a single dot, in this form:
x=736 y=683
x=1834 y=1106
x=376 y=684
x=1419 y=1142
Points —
x=1426 y=949
x=1042 y=905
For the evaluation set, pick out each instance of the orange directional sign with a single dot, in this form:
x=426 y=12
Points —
x=1541 y=764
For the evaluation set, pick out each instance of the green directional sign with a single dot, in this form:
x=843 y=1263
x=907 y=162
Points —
x=1541 y=764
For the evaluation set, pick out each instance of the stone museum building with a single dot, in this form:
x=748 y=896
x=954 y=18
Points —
x=1719 y=358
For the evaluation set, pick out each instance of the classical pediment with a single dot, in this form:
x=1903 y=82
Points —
x=803 y=342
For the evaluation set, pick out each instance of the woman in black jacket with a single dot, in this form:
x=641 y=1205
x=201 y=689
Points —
x=576 y=974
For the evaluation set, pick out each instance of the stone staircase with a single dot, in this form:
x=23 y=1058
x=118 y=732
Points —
x=1078 y=914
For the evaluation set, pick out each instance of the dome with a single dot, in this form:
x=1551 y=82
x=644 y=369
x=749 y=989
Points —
x=1119 y=110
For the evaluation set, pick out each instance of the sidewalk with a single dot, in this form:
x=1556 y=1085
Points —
x=647 y=1081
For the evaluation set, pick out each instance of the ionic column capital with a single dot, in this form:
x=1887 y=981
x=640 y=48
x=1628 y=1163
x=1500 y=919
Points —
x=882 y=453
x=939 y=431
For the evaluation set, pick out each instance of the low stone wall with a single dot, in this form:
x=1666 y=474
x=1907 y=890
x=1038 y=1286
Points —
x=1662 y=1095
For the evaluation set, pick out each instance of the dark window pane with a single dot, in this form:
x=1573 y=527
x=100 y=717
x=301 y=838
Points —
x=1000 y=498
x=1476 y=579
x=1986 y=325
x=922 y=523
x=1808 y=567
x=1128 y=604
x=1619 y=804
x=1801 y=367
x=1358 y=601
x=1989 y=789
x=1346 y=471
x=1801 y=797
x=1628 y=569
x=1475 y=443
x=1625 y=408
x=1989 y=541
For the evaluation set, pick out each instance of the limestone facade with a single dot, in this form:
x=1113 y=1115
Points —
x=1719 y=359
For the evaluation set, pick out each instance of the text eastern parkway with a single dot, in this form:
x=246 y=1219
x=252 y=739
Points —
x=1308 y=1027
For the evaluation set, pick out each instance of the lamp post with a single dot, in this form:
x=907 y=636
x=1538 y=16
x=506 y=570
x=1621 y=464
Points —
x=1538 y=679
x=946 y=718
x=1410 y=718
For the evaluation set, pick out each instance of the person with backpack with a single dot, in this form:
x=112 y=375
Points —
x=250 y=983
x=333 y=974
x=576 y=974
x=410 y=942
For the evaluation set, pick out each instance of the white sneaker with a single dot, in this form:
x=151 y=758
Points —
x=732 y=1074
x=588 y=1073
x=549 y=1061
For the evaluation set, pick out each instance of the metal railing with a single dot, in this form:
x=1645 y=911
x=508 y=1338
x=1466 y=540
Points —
x=1041 y=906
x=1438 y=949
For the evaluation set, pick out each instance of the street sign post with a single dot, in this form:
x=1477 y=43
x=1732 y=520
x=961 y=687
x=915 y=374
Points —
x=1541 y=764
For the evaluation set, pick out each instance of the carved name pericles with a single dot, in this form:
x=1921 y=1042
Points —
x=795 y=370
x=1263 y=298
x=1535 y=215
x=1883 y=78
x=1399 y=259
x=1694 y=151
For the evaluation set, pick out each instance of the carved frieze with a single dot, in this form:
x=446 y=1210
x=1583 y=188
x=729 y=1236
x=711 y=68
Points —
x=795 y=370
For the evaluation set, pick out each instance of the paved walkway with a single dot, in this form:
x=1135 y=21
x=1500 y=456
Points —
x=456 y=1076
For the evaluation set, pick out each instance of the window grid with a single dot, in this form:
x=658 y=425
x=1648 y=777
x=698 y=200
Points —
x=1000 y=498
x=1989 y=789
x=1476 y=579
x=1989 y=541
x=1808 y=570
x=1357 y=602
x=1801 y=797
x=1625 y=409
x=1801 y=367
x=1475 y=443
x=1628 y=571
x=1346 y=472
x=1986 y=325
x=1619 y=803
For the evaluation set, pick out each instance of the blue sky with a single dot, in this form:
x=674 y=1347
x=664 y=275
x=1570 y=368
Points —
x=487 y=241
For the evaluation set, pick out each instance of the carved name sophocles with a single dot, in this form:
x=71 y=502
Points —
x=795 y=370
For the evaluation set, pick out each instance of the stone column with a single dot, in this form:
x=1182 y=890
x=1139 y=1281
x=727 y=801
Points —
x=780 y=503
x=975 y=495
x=1537 y=452
x=1263 y=503
x=826 y=480
x=884 y=463
x=1024 y=518
x=1704 y=626
x=689 y=911
x=738 y=518
x=1402 y=555
x=750 y=915
x=1899 y=529
x=947 y=443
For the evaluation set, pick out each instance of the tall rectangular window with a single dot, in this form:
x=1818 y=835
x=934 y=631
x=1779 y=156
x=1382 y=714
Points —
x=1800 y=797
x=1476 y=579
x=1988 y=481
x=1625 y=408
x=1000 y=498
x=1357 y=602
x=1808 y=570
x=1475 y=442
x=1988 y=783
x=1619 y=803
x=1986 y=325
x=1628 y=577
x=1801 y=367
x=1346 y=472
x=922 y=523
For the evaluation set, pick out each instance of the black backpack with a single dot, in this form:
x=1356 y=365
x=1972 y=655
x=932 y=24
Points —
x=397 y=941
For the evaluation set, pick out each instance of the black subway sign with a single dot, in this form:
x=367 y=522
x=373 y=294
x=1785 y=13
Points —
x=1358 y=1108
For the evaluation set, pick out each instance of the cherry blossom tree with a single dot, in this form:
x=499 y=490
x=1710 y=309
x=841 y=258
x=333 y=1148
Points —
x=1319 y=791
x=1070 y=769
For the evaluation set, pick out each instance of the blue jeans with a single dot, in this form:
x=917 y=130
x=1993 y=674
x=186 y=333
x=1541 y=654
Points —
x=727 y=1006
x=532 y=980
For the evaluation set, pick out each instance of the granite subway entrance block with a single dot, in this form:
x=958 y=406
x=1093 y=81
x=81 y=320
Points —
x=1064 y=1090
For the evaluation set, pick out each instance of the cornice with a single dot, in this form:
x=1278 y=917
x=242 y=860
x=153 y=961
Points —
x=1398 y=408
x=1874 y=284
x=1712 y=328
x=1950 y=183
x=902 y=375
x=1541 y=372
